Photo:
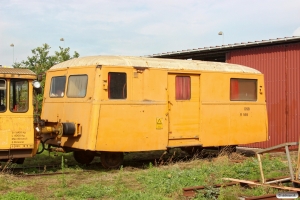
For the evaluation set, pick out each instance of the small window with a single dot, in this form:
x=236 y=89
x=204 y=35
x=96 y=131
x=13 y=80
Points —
x=18 y=97
x=183 y=87
x=243 y=89
x=117 y=87
x=2 y=95
x=77 y=85
x=58 y=86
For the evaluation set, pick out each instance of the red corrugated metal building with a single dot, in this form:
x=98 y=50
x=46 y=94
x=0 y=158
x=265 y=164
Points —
x=279 y=61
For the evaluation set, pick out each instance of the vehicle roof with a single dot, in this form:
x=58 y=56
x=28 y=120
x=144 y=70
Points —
x=20 y=72
x=174 y=64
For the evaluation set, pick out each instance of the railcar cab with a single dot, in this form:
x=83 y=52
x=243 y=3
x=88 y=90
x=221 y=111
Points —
x=16 y=111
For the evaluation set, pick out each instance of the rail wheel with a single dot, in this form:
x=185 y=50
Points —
x=83 y=157
x=111 y=160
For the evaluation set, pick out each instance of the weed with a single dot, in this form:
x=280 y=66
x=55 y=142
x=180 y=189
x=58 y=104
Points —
x=87 y=191
x=17 y=196
x=137 y=195
x=150 y=165
x=63 y=178
x=247 y=170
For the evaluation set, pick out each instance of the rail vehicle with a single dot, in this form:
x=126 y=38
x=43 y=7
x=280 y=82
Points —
x=109 y=105
x=18 y=139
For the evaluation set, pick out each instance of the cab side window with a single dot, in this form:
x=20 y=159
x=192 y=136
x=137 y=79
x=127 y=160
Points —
x=57 y=89
x=77 y=85
x=117 y=85
x=2 y=95
x=18 y=95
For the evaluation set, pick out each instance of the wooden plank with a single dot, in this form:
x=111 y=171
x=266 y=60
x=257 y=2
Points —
x=263 y=197
x=259 y=184
x=261 y=168
x=276 y=147
x=298 y=163
x=294 y=181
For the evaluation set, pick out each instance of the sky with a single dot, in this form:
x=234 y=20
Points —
x=138 y=28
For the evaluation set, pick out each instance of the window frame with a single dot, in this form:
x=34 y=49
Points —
x=123 y=89
x=234 y=91
x=183 y=93
x=56 y=95
x=86 y=86
x=4 y=105
x=12 y=107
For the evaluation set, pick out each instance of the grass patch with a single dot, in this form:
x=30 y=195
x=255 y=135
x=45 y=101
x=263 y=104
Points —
x=154 y=180
x=18 y=196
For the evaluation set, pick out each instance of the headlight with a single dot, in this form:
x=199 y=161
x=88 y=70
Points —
x=36 y=84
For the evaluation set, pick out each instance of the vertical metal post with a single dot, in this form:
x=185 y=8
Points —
x=63 y=40
x=13 y=46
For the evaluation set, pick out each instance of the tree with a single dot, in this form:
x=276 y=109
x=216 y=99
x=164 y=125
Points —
x=41 y=61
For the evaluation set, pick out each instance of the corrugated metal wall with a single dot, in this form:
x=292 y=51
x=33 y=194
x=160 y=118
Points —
x=281 y=66
x=293 y=91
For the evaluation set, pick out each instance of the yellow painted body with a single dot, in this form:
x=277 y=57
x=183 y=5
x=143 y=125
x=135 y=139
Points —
x=150 y=118
x=16 y=127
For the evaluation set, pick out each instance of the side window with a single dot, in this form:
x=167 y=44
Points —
x=77 y=85
x=117 y=85
x=18 y=97
x=2 y=95
x=57 y=88
x=182 y=87
x=243 y=89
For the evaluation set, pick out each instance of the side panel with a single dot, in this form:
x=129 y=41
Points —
x=138 y=122
x=16 y=131
x=225 y=122
x=215 y=109
x=131 y=127
x=248 y=123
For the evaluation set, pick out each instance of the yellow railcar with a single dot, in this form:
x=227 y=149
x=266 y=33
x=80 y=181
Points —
x=115 y=104
x=16 y=111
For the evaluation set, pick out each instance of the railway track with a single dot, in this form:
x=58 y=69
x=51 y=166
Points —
x=133 y=161
x=56 y=169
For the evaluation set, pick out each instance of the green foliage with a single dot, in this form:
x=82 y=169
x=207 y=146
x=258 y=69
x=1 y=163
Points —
x=40 y=62
x=17 y=196
x=137 y=195
x=259 y=191
x=63 y=177
x=85 y=191
x=274 y=167
x=166 y=182
x=247 y=170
